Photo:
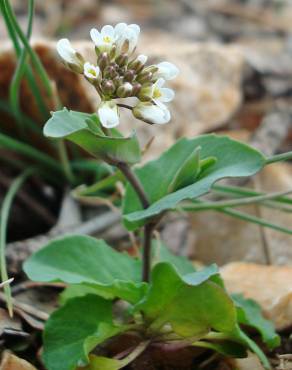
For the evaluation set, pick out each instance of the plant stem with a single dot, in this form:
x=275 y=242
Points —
x=279 y=157
x=6 y=205
x=65 y=161
x=134 y=181
x=233 y=202
x=146 y=257
x=149 y=228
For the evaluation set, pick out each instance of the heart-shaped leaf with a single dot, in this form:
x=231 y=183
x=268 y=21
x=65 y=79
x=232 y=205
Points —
x=75 y=329
x=233 y=159
x=80 y=259
x=192 y=306
x=85 y=130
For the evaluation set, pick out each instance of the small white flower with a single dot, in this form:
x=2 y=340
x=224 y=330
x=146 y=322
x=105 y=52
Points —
x=126 y=33
x=67 y=52
x=108 y=114
x=157 y=93
x=91 y=71
x=104 y=39
x=166 y=70
x=151 y=113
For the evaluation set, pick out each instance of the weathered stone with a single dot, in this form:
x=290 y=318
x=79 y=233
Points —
x=12 y=362
x=250 y=363
x=270 y=286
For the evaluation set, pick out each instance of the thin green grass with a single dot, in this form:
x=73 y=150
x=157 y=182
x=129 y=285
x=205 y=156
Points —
x=5 y=210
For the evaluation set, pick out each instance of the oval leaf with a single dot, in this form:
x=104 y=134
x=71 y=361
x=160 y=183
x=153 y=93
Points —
x=80 y=259
x=234 y=159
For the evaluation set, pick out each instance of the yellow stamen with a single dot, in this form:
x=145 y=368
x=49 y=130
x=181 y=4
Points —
x=107 y=39
x=156 y=94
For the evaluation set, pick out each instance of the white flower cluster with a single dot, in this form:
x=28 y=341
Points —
x=120 y=75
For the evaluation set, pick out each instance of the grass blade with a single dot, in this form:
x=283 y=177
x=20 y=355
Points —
x=5 y=209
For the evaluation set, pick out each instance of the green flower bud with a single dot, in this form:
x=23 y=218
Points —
x=103 y=60
x=110 y=72
x=122 y=59
x=146 y=92
x=144 y=77
x=125 y=90
x=129 y=75
x=136 y=89
x=108 y=87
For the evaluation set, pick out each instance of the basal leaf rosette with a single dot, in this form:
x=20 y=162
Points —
x=166 y=183
x=85 y=130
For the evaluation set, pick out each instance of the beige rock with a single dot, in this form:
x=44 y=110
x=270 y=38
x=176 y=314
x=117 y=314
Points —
x=224 y=239
x=270 y=286
x=250 y=363
x=12 y=362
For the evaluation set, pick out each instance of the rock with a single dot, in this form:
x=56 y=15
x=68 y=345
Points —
x=270 y=286
x=250 y=363
x=224 y=239
x=277 y=177
x=12 y=362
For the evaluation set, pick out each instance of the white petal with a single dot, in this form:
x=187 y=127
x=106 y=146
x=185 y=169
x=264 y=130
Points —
x=95 y=35
x=66 y=51
x=167 y=70
x=108 y=114
x=135 y=28
x=120 y=28
x=167 y=95
x=142 y=58
x=159 y=83
x=107 y=31
x=151 y=113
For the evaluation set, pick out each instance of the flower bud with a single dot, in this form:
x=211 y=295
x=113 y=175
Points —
x=125 y=90
x=153 y=69
x=122 y=59
x=144 y=77
x=103 y=60
x=129 y=75
x=113 y=52
x=138 y=63
x=146 y=92
x=108 y=87
x=110 y=71
x=136 y=89
x=118 y=81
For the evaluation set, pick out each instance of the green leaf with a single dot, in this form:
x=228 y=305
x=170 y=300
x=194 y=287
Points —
x=189 y=171
x=192 y=305
x=85 y=130
x=80 y=259
x=233 y=159
x=250 y=313
x=162 y=254
x=226 y=348
x=103 y=363
x=68 y=329
x=79 y=290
